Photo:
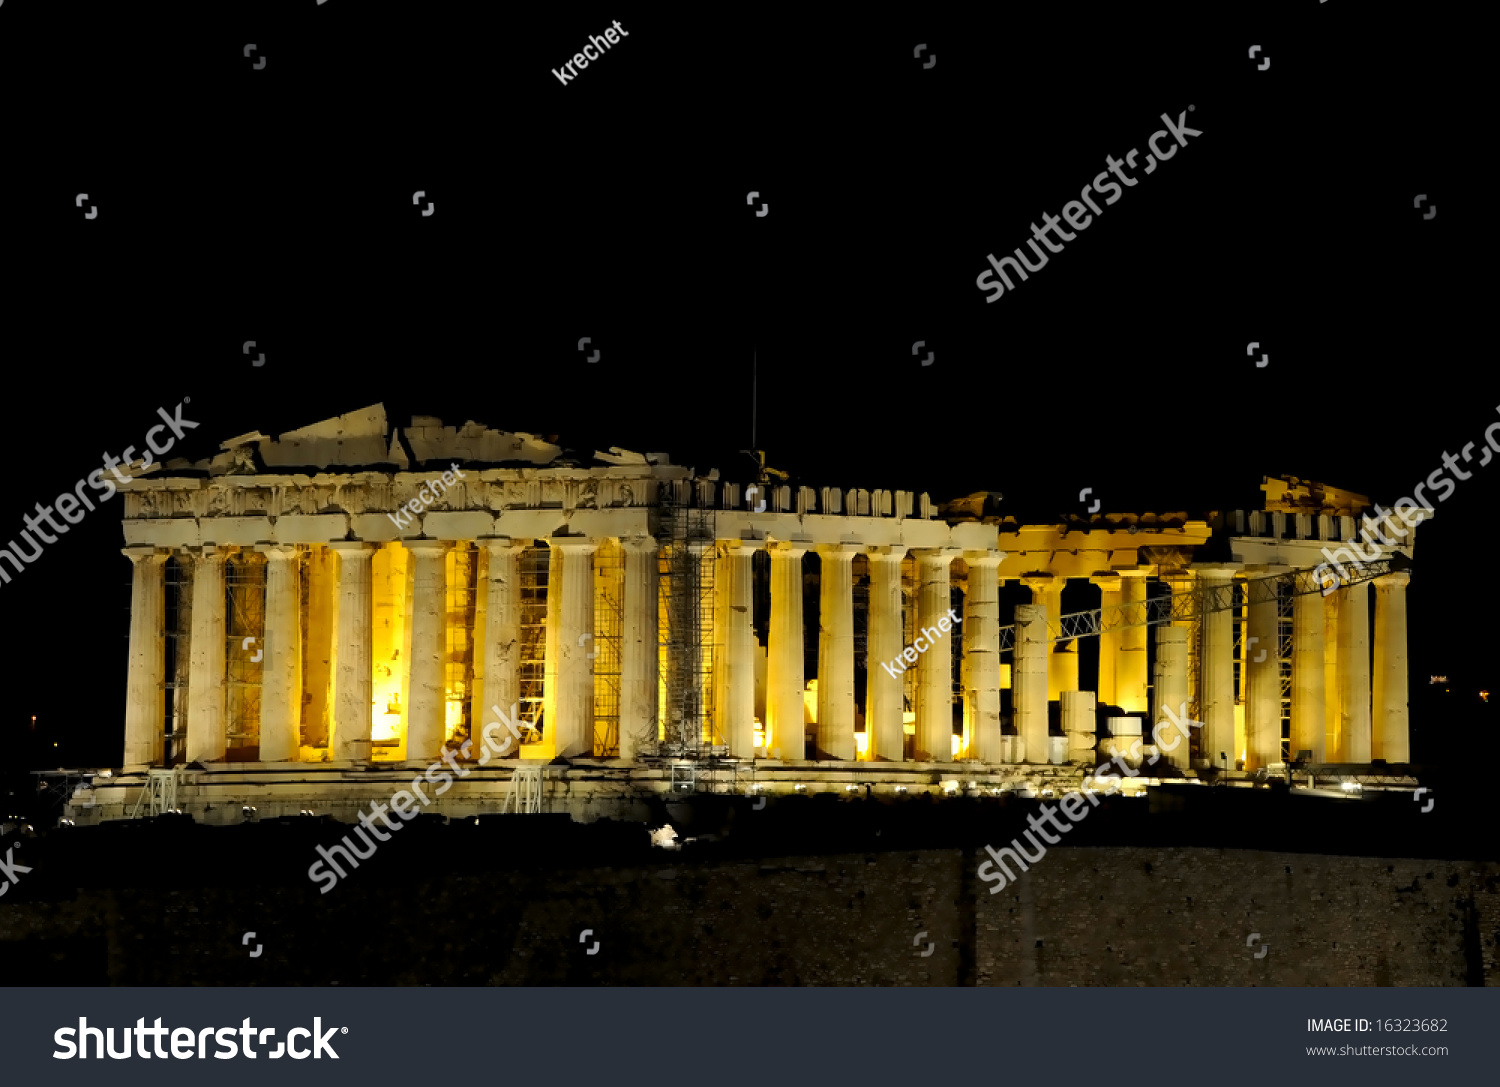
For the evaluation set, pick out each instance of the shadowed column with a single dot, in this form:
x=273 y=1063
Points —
x=981 y=640
x=638 y=651
x=836 y=652
x=784 y=665
x=884 y=703
x=144 y=706
x=205 y=736
x=353 y=649
x=426 y=716
x=1390 y=737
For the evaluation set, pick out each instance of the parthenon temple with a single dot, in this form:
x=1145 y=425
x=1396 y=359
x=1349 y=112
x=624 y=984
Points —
x=315 y=615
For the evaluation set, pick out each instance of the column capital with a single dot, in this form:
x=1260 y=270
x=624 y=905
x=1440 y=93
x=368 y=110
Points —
x=936 y=554
x=889 y=552
x=1039 y=582
x=1396 y=579
x=146 y=554
x=786 y=549
x=573 y=544
x=277 y=550
x=209 y=552
x=1139 y=570
x=736 y=546
x=842 y=551
x=438 y=547
x=984 y=559
x=501 y=543
x=639 y=544
x=1110 y=583
x=353 y=548
x=1216 y=571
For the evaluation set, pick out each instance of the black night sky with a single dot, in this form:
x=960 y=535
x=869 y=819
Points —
x=276 y=205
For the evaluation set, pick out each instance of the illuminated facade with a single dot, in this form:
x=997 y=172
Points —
x=349 y=597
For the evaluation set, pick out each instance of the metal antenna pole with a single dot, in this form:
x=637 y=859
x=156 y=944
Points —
x=754 y=374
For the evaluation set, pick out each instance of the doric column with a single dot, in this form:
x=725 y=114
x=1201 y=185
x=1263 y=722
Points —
x=1171 y=689
x=427 y=710
x=981 y=640
x=573 y=729
x=205 y=726
x=1262 y=665
x=570 y=732
x=1390 y=739
x=1218 y=666
x=502 y=634
x=280 y=697
x=784 y=717
x=1029 y=681
x=884 y=703
x=353 y=652
x=1130 y=661
x=836 y=651
x=1046 y=592
x=737 y=711
x=1180 y=583
x=1109 y=636
x=1309 y=707
x=935 y=662
x=1335 y=742
x=638 y=651
x=1354 y=671
x=144 y=706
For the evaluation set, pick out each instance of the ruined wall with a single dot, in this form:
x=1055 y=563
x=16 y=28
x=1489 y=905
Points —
x=1083 y=916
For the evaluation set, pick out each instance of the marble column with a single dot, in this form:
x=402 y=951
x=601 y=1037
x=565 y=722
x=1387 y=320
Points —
x=502 y=639
x=836 y=652
x=1335 y=741
x=784 y=712
x=738 y=708
x=935 y=663
x=1262 y=666
x=1029 y=681
x=981 y=640
x=573 y=730
x=1171 y=690
x=1046 y=592
x=884 y=701
x=639 y=649
x=353 y=652
x=1309 y=706
x=427 y=702
x=145 y=705
x=280 y=698
x=1354 y=670
x=206 y=677
x=1130 y=662
x=1218 y=665
x=1109 y=637
x=1390 y=738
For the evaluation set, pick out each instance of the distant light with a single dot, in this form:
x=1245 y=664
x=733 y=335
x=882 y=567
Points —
x=800 y=788
x=901 y=788
x=1352 y=787
x=851 y=788
x=1437 y=679
x=1485 y=695
x=1046 y=792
